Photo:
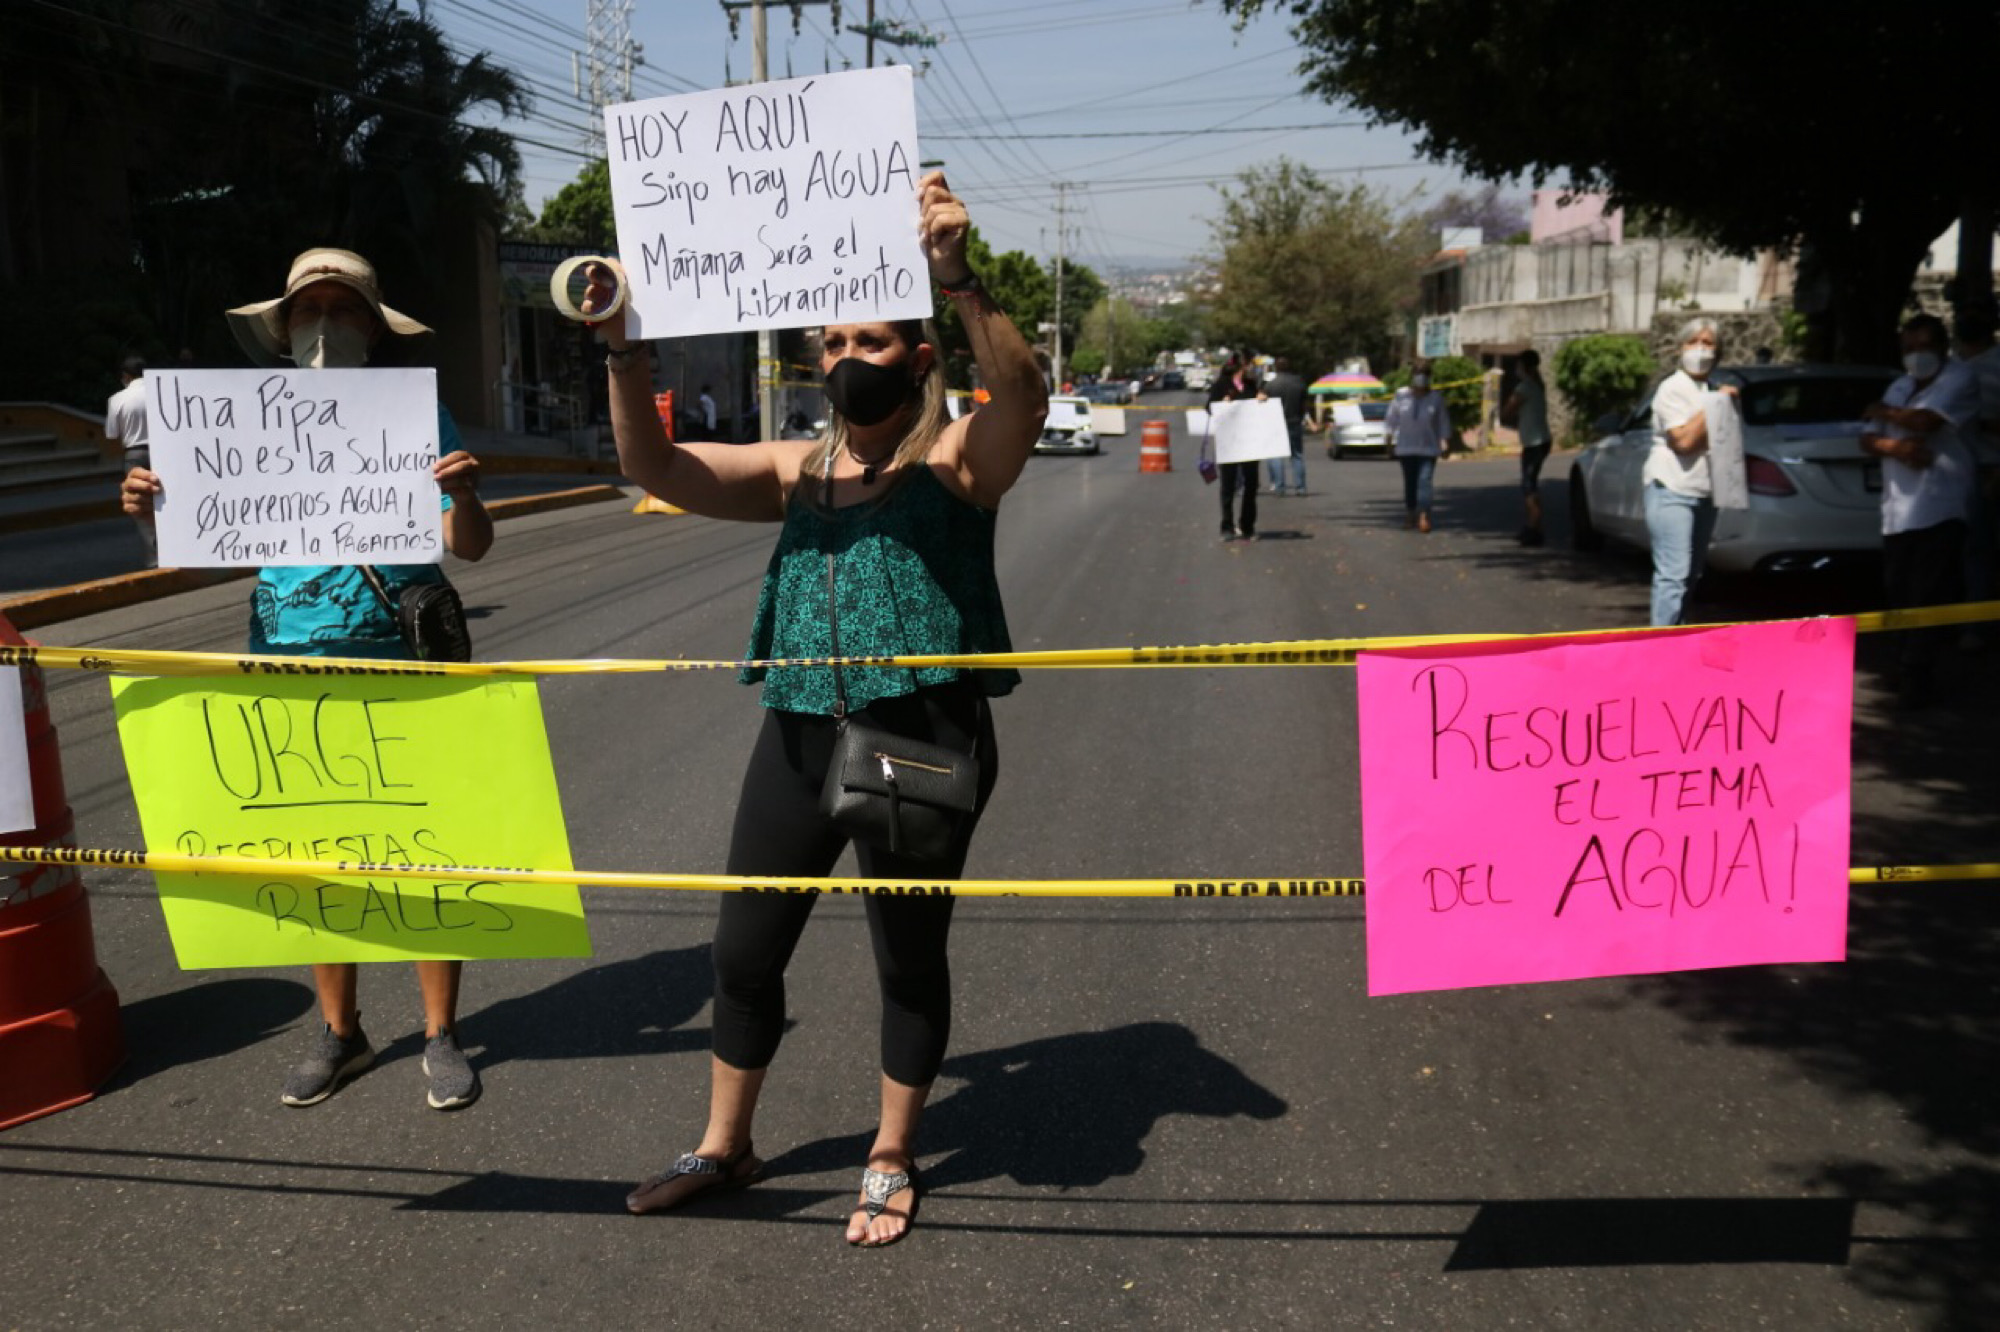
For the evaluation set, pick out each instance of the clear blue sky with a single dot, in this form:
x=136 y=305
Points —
x=1010 y=75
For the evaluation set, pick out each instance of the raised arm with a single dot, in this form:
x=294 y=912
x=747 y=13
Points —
x=989 y=448
x=748 y=482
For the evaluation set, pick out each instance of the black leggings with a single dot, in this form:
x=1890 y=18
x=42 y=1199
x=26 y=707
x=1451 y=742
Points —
x=780 y=832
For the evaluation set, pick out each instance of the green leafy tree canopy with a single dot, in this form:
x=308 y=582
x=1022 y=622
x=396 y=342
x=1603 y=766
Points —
x=1308 y=270
x=1706 y=119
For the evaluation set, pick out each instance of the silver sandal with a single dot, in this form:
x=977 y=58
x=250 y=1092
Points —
x=877 y=1187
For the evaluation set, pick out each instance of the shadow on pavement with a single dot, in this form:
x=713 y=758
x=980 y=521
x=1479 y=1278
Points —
x=636 y=1007
x=1649 y=1232
x=205 y=1021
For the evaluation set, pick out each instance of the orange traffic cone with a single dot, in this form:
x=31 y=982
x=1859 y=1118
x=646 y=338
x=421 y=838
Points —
x=60 y=1037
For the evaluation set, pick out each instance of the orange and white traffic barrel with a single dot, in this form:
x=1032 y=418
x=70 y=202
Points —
x=60 y=1037
x=1155 y=454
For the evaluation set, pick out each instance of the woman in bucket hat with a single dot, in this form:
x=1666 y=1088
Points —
x=331 y=316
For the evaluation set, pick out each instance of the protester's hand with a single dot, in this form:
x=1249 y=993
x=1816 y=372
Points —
x=1875 y=411
x=944 y=229
x=1729 y=391
x=135 y=493
x=604 y=281
x=1915 y=453
x=457 y=475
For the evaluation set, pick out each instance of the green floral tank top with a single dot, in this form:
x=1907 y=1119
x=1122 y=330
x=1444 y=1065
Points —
x=914 y=575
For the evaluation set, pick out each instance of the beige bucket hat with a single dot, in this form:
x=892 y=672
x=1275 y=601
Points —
x=260 y=328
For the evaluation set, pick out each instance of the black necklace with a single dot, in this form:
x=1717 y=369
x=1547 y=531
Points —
x=869 y=469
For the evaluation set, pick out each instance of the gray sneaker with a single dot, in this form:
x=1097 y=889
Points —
x=330 y=1062
x=453 y=1081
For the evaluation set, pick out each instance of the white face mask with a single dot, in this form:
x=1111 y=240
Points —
x=1697 y=360
x=1420 y=381
x=327 y=345
x=1923 y=364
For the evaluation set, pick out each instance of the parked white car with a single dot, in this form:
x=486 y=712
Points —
x=1814 y=497
x=1368 y=435
x=1068 y=429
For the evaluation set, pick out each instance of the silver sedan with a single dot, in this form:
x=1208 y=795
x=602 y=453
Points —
x=1814 y=498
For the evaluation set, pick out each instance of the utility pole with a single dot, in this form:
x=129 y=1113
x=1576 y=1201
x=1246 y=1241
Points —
x=871 y=36
x=760 y=71
x=1062 y=238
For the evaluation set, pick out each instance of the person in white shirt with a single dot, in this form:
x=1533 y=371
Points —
x=1920 y=431
x=1680 y=508
x=125 y=421
x=1419 y=428
x=1527 y=410
x=707 y=412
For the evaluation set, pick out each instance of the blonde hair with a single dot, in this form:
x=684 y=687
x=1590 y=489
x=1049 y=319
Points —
x=928 y=418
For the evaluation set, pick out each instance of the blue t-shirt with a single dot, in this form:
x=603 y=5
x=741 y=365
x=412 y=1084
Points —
x=328 y=610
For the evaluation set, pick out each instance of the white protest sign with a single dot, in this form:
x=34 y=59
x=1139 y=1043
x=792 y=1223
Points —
x=1347 y=413
x=17 y=791
x=774 y=205
x=295 y=467
x=1727 y=471
x=1197 y=421
x=1248 y=430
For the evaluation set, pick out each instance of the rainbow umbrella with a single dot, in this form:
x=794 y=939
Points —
x=1345 y=385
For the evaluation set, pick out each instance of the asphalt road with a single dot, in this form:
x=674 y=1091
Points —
x=1168 y=1113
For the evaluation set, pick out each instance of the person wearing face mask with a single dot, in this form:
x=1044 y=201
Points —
x=1419 y=428
x=1919 y=430
x=331 y=316
x=903 y=499
x=1679 y=496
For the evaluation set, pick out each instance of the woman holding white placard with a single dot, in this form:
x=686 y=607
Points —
x=331 y=316
x=1679 y=491
x=886 y=549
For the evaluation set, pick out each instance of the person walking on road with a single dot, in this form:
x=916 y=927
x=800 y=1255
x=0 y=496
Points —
x=1973 y=345
x=1419 y=428
x=332 y=316
x=1679 y=496
x=1236 y=383
x=1919 y=430
x=886 y=547
x=1290 y=391
x=125 y=421
x=1527 y=410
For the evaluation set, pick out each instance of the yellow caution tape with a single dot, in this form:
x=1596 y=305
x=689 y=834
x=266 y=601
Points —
x=1291 y=652
x=163 y=862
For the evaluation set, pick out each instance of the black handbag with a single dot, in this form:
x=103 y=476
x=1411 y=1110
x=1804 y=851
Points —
x=907 y=797
x=429 y=616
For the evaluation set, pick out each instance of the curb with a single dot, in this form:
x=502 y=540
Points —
x=120 y=590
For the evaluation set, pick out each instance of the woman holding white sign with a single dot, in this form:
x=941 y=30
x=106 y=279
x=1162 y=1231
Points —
x=1679 y=489
x=331 y=316
x=886 y=549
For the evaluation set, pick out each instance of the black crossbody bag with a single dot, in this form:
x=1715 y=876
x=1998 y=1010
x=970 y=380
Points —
x=429 y=616
x=907 y=797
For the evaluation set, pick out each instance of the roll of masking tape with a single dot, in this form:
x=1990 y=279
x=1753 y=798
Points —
x=559 y=288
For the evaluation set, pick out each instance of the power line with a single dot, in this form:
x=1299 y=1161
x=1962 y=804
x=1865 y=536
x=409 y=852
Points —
x=1156 y=134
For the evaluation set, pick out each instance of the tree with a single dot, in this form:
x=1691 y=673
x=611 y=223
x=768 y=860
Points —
x=1858 y=157
x=1118 y=336
x=580 y=212
x=1308 y=270
x=182 y=155
x=1602 y=374
x=1018 y=285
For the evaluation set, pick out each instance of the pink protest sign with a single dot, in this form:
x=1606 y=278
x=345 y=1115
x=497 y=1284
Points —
x=1605 y=807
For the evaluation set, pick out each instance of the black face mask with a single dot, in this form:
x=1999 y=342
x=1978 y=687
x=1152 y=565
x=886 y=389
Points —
x=865 y=393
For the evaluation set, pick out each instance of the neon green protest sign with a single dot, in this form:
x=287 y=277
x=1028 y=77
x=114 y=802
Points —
x=384 y=770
